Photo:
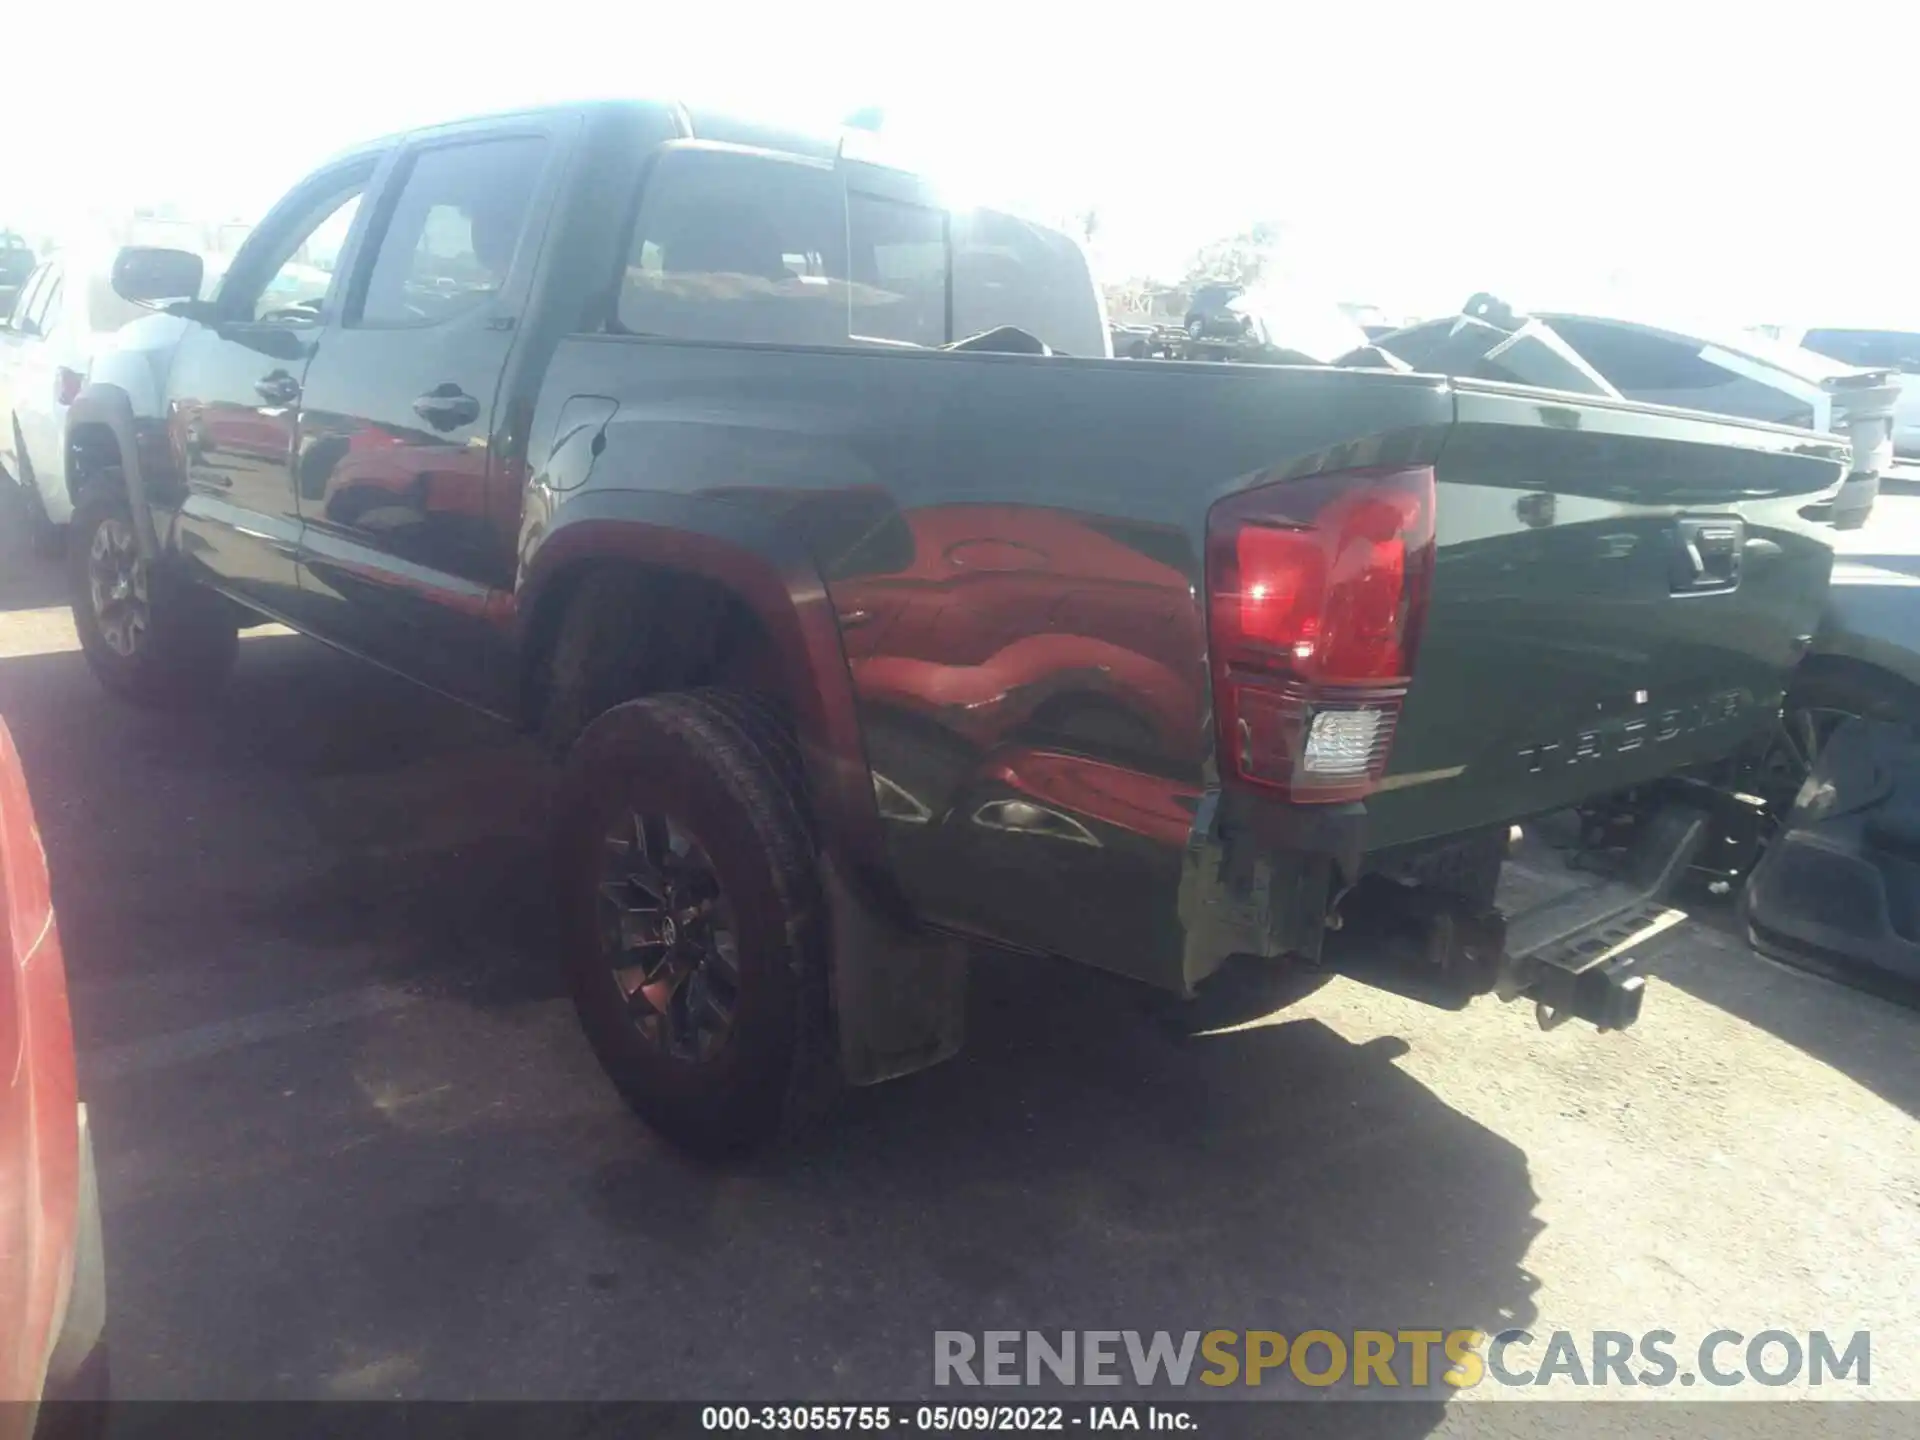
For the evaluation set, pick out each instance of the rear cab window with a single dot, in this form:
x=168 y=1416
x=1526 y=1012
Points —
x=737 y=245
x=751 y=246
x=1008 y=271
x=902 y=271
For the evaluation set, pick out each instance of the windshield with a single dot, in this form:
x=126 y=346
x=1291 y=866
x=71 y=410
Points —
x=1878 y=349
x=1782 y=355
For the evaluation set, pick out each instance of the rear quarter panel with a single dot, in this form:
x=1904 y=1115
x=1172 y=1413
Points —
x=1012 y=547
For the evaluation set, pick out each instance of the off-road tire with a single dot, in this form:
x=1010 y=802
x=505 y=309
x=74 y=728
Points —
x=192 y=636
x=724 y=765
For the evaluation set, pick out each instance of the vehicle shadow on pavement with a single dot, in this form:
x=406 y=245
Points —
x=1871 y=1040
x=433 y=1192
x=27 y=581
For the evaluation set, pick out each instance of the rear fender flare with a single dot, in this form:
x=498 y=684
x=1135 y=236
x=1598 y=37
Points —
x=899 y=993
x=774 y=577
x=109 y=406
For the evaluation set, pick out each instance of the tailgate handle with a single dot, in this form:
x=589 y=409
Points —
x=1706 y=554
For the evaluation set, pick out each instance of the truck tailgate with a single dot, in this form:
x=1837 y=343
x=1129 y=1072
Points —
x=1618 y=592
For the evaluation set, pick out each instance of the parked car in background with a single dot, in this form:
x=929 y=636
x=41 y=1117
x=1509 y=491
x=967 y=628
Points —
x=1271 y=322
x=1874 y=350
x=16 y=264
x=52 y=1270
x=1723 y=372
x=1836 y=888
x=1211 y=316
x=1865 y=660
x=47 y=342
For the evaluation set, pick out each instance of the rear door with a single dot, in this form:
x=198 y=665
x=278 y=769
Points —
x=409 y=510
x=236 y=389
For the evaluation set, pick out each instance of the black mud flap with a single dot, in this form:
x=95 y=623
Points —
x=1838 y=890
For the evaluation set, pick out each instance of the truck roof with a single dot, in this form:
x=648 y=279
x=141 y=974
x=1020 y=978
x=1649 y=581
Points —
x=697 y=122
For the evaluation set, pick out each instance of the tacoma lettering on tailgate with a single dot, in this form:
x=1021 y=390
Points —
x=1640 y=727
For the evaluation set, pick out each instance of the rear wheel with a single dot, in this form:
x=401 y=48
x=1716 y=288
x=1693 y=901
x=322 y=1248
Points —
x=691 y=910
x=148 y=635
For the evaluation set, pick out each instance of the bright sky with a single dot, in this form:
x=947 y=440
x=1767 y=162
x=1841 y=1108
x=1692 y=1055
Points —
x=1753 y=162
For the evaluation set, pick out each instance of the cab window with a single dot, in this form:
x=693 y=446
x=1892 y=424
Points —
x=739 y=246
x=284 y=272
x=450 y=241
x=901 y=269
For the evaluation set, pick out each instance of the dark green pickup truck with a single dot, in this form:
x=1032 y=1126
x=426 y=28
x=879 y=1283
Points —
x=878 y=612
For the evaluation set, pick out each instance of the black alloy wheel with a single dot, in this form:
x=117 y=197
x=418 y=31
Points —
x=668 y=935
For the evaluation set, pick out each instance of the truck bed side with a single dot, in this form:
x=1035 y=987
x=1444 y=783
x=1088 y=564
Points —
x=1013 y=547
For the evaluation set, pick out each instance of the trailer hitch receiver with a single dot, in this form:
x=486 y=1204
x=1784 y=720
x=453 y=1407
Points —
x=1607 y=997
x=1572 y=956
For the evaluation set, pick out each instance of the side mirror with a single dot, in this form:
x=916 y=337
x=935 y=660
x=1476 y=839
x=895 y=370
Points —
x=151 y=275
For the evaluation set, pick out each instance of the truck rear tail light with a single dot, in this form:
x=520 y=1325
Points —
x=1317 y=590
x=66 y=385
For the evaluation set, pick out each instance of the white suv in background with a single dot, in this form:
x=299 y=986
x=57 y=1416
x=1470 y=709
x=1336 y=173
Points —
x=46 y=344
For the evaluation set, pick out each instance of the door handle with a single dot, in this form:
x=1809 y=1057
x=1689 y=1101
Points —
x=445 y=407
x=277 y=388
x=1706 y=554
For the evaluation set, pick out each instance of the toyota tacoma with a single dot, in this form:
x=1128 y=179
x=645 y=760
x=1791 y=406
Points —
x=879 y=613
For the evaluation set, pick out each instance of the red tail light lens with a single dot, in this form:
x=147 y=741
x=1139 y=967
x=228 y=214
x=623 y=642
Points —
x=66 y=385
x=1318 y=590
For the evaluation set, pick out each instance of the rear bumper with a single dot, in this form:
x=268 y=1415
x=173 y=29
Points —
x=1571 y=954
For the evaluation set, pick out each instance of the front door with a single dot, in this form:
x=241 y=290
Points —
x=408 y=508
x=236 y=387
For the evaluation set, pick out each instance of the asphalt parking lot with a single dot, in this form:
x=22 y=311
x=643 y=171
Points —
x=351 y=1144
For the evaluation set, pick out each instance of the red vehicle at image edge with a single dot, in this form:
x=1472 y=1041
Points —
x=878 y=612
x=52 y=1276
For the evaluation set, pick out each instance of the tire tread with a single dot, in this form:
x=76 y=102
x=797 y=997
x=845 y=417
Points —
x=745 y=740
